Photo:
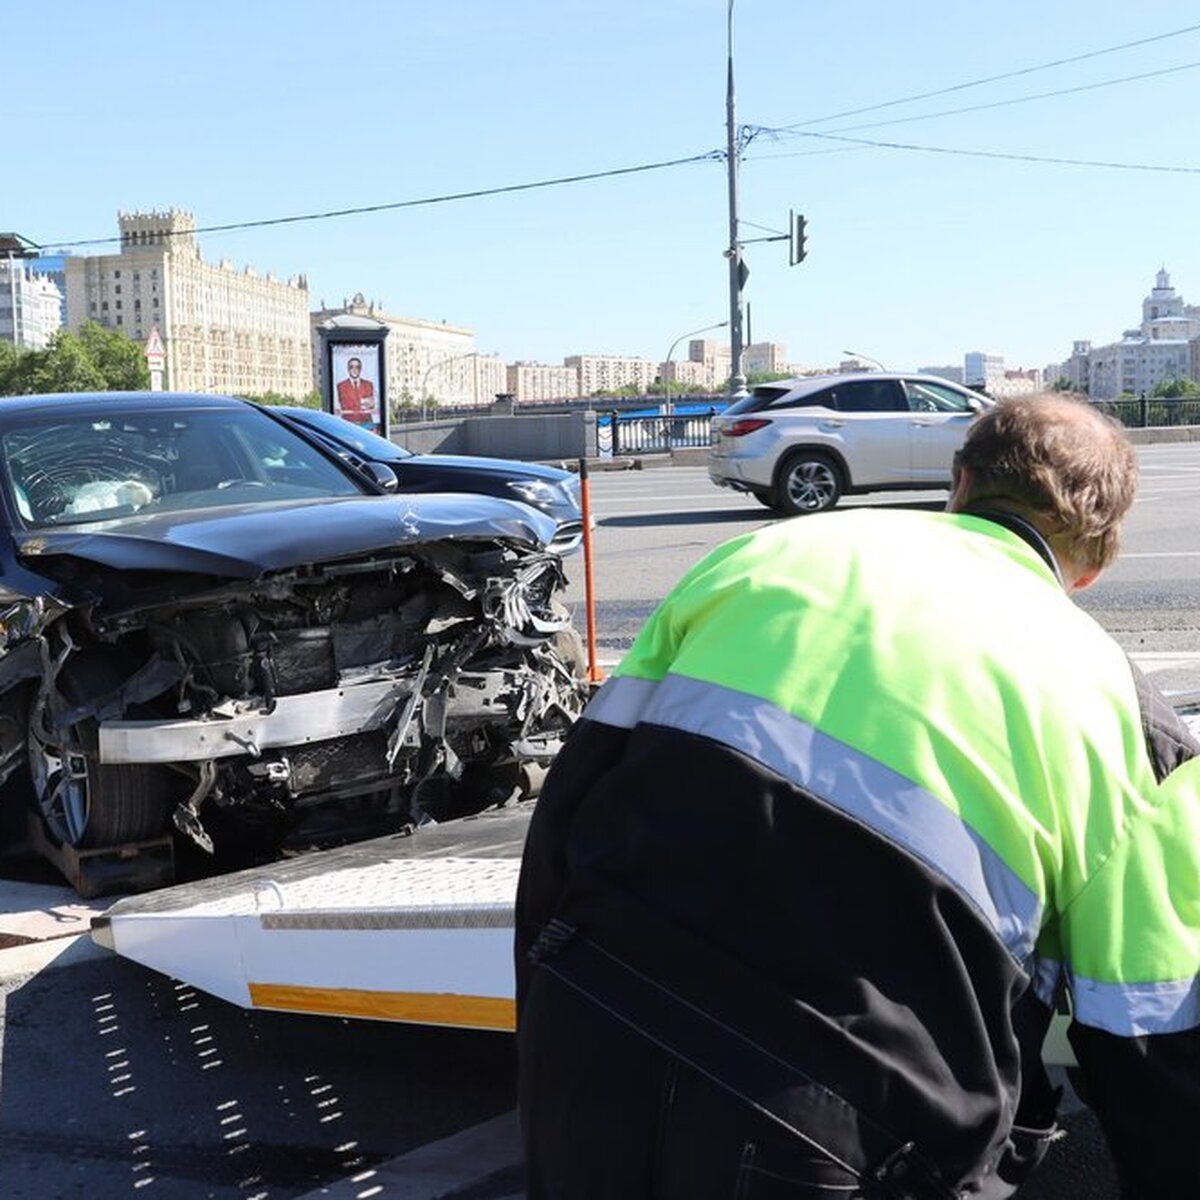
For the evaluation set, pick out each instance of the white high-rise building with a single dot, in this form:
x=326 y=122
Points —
x=30 y=305
x=223 y=330
x=1155 y=352
x=982 y=370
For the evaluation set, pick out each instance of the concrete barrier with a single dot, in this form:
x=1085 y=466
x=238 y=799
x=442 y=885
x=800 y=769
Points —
x=532 y=438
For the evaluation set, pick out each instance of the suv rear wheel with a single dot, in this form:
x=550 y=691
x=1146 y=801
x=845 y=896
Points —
x=808 y=482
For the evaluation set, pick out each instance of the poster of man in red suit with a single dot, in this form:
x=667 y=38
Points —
x=356 y=396
x=357 y=392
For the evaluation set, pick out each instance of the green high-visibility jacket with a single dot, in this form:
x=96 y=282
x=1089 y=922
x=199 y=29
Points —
x=888 y=763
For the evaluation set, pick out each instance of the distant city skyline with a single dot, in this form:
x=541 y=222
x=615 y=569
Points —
x=972 y=240
x=1166 y=345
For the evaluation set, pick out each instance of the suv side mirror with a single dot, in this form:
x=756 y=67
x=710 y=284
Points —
x=976 y=406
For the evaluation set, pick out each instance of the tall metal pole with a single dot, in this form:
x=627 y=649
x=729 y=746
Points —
x=737 y=381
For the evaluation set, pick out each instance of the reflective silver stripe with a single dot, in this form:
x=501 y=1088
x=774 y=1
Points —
x=896 y=807
x=1047 y=979
x=1136 y=1009
x=621 y=701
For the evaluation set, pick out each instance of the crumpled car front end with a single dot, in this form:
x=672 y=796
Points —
x=250 y=703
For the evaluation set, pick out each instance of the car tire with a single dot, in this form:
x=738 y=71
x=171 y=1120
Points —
x=808 y=482
x=98 y=804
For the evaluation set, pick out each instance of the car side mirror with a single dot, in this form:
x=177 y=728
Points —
x=381 y=474
x=975 y=406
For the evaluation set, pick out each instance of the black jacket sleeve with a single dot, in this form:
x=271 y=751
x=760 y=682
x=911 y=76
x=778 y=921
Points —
x=1146 y=1092
x=590 y=751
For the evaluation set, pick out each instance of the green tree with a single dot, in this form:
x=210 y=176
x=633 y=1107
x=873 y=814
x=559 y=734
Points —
x=64 y=366
x=1176 y=389
x=120 y=361
x=8 y=365
x=95 y=360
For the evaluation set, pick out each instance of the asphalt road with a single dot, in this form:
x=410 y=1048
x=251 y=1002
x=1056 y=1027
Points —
x=116 y=1082
x=653 y=524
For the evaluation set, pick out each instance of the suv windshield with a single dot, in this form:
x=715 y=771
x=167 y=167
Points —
x=73 y=470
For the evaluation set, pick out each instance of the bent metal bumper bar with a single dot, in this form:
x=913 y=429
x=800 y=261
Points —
x=313 y=717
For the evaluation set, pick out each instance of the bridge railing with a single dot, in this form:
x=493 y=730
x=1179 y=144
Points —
x=653 y=433
x=1143 y=412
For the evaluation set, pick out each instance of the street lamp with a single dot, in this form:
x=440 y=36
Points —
x=667 y=364
x=865 y=358
x=441 y=362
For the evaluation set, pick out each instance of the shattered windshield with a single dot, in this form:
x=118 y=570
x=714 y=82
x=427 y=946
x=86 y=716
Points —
x=68 y=471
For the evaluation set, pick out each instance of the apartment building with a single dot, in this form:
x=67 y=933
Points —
x=689 y=374
x=610 y=372
x=425 y=361
x=982 y=370
x=1160 y=349
x=765 y=358
x=530 y=382
x=223 y=330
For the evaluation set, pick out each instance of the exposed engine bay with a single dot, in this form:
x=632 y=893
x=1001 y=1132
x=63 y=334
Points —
x=404 y=686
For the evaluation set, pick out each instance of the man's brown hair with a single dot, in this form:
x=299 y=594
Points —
x=1061 y=463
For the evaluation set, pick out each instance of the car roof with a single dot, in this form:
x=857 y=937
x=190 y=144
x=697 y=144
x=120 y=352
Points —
x=804 y=384
x=107 y=401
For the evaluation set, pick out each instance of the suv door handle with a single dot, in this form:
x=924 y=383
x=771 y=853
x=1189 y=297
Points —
x=831 y=425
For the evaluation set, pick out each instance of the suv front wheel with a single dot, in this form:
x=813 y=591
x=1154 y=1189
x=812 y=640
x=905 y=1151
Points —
x=808 y=482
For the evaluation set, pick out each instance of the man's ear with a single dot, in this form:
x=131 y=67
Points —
x=960 y=488
x=1085 y=579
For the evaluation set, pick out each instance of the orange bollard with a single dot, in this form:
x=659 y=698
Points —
x=594 y=674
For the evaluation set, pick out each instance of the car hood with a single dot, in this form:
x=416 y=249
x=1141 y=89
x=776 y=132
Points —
x=245 y=541
x=506 y=468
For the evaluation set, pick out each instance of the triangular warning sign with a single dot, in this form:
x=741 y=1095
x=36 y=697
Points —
x=154 y=344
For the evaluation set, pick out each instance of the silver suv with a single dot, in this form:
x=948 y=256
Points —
x=799 y=445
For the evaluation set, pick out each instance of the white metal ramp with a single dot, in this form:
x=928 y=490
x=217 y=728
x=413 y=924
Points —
x=414 y=928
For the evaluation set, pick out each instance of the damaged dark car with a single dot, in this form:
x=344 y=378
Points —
x=212 y=630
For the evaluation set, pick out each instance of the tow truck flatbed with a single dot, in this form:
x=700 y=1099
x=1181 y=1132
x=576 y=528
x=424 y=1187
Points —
x=410 y=927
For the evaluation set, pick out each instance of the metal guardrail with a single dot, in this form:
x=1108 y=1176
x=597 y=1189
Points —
x=654 y=433
x=1143 y=412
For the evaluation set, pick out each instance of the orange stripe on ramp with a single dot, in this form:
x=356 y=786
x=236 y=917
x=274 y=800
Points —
x=420 y=1008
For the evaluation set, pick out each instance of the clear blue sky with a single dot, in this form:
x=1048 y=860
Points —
x=241 y=111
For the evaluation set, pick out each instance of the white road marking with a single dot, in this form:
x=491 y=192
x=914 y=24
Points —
x=443 y=1168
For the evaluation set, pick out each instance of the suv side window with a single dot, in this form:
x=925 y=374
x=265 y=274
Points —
x=868 y=395
x=822 y=399
x=933 y=397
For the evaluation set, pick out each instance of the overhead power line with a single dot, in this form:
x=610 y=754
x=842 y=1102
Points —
x=709 y=156
x=973 y=83
x=854 y=142
x=950 y=112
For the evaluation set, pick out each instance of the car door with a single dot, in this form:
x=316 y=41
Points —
x=871 y=425
x=940 y=418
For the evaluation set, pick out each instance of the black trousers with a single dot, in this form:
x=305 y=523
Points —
x=608 y=1115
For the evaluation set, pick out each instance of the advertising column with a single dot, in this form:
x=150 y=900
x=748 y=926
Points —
x=354 y=371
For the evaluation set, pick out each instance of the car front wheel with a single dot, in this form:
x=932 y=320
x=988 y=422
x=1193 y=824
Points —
x=87 y=804
x=809 y=482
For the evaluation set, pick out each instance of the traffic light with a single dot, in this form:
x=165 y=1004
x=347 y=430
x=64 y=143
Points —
x=799 y=229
